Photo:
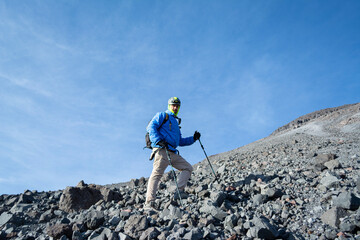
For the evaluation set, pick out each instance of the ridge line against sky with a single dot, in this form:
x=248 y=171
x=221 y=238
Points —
x=79 y=80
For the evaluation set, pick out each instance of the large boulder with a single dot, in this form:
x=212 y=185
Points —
x=83 y=196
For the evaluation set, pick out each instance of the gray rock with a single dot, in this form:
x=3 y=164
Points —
x=330 y=181
x=294 y=236
x=5 y=218
x=259 y=199
x=206 y=207
x=219 y=214
x=204 y=194
x=321 y=159
x=332 y=216
x=213 y=211
x=17 y=208
x=218 y=197
x=134 y=183
x=150 y=233
x=80 y=222
x=11 y=201
x=26 y=198
x=77 y=236
x=46 y=216
x=63 y=237
x=114 y=221
x=124 y=215
x=95 y=235
x=135 y=225
x=201 y=188
x=58 y=230
x=331 y=233
x=230 y=221
x=94 y=219
x=106 y=234
x=325 y=157
x=123 y=236
x=178 y=233
x=120 y=226
x=163 y=235
x=347 y=225
x=2 y=235
x=221 y=170
x=250 y=178
x=194 y=234
x=172 y=212
x=262 y=229
x=347 y=200
x=273 y=193
x=333 y=164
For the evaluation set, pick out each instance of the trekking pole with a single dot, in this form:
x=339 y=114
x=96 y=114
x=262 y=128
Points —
x=216 y=178
x=175 y=178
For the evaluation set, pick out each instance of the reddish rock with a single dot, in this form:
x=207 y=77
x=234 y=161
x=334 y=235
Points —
x=58 y=230
x=83 y=196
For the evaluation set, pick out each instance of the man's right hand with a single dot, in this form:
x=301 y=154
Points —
x=162 y=144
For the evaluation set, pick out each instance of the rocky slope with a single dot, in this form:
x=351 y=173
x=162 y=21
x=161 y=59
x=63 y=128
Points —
x=301 y=182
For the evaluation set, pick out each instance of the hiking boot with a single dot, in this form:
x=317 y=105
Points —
x=183 y=195
x=150 y=206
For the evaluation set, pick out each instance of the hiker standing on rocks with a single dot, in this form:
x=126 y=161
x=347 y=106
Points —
x=164 y=132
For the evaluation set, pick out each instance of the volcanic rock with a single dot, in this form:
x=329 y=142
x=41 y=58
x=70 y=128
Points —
x=58 y=230
x=262 y=229
x=347 y=200
x=150 y=233
x=84 y=196
x=94 y=219
x=5 y=218
x=332 y=216
x=135 y=226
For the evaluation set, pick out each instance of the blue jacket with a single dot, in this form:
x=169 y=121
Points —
x=169 y=131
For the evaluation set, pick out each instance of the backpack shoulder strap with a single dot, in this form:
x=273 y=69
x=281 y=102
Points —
x=166 y=118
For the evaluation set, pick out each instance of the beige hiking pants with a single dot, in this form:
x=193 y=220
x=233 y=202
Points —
x=161 y=162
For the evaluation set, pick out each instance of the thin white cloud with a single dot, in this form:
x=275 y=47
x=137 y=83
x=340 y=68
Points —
x=26 y=25
x=31 y=85
x=22 y=104
x=7 y=180
x=251 y=97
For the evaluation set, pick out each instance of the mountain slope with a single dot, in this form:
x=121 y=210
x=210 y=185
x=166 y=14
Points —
x=301 y=182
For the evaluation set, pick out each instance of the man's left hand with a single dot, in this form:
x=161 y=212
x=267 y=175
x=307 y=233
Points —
x=197 y=135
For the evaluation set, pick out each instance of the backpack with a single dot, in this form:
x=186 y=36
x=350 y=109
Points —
x=147 y=137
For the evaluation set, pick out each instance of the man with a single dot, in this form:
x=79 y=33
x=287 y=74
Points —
x=164 y=132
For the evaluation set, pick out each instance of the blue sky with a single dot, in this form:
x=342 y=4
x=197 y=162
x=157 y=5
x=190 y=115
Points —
x=79 y=80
